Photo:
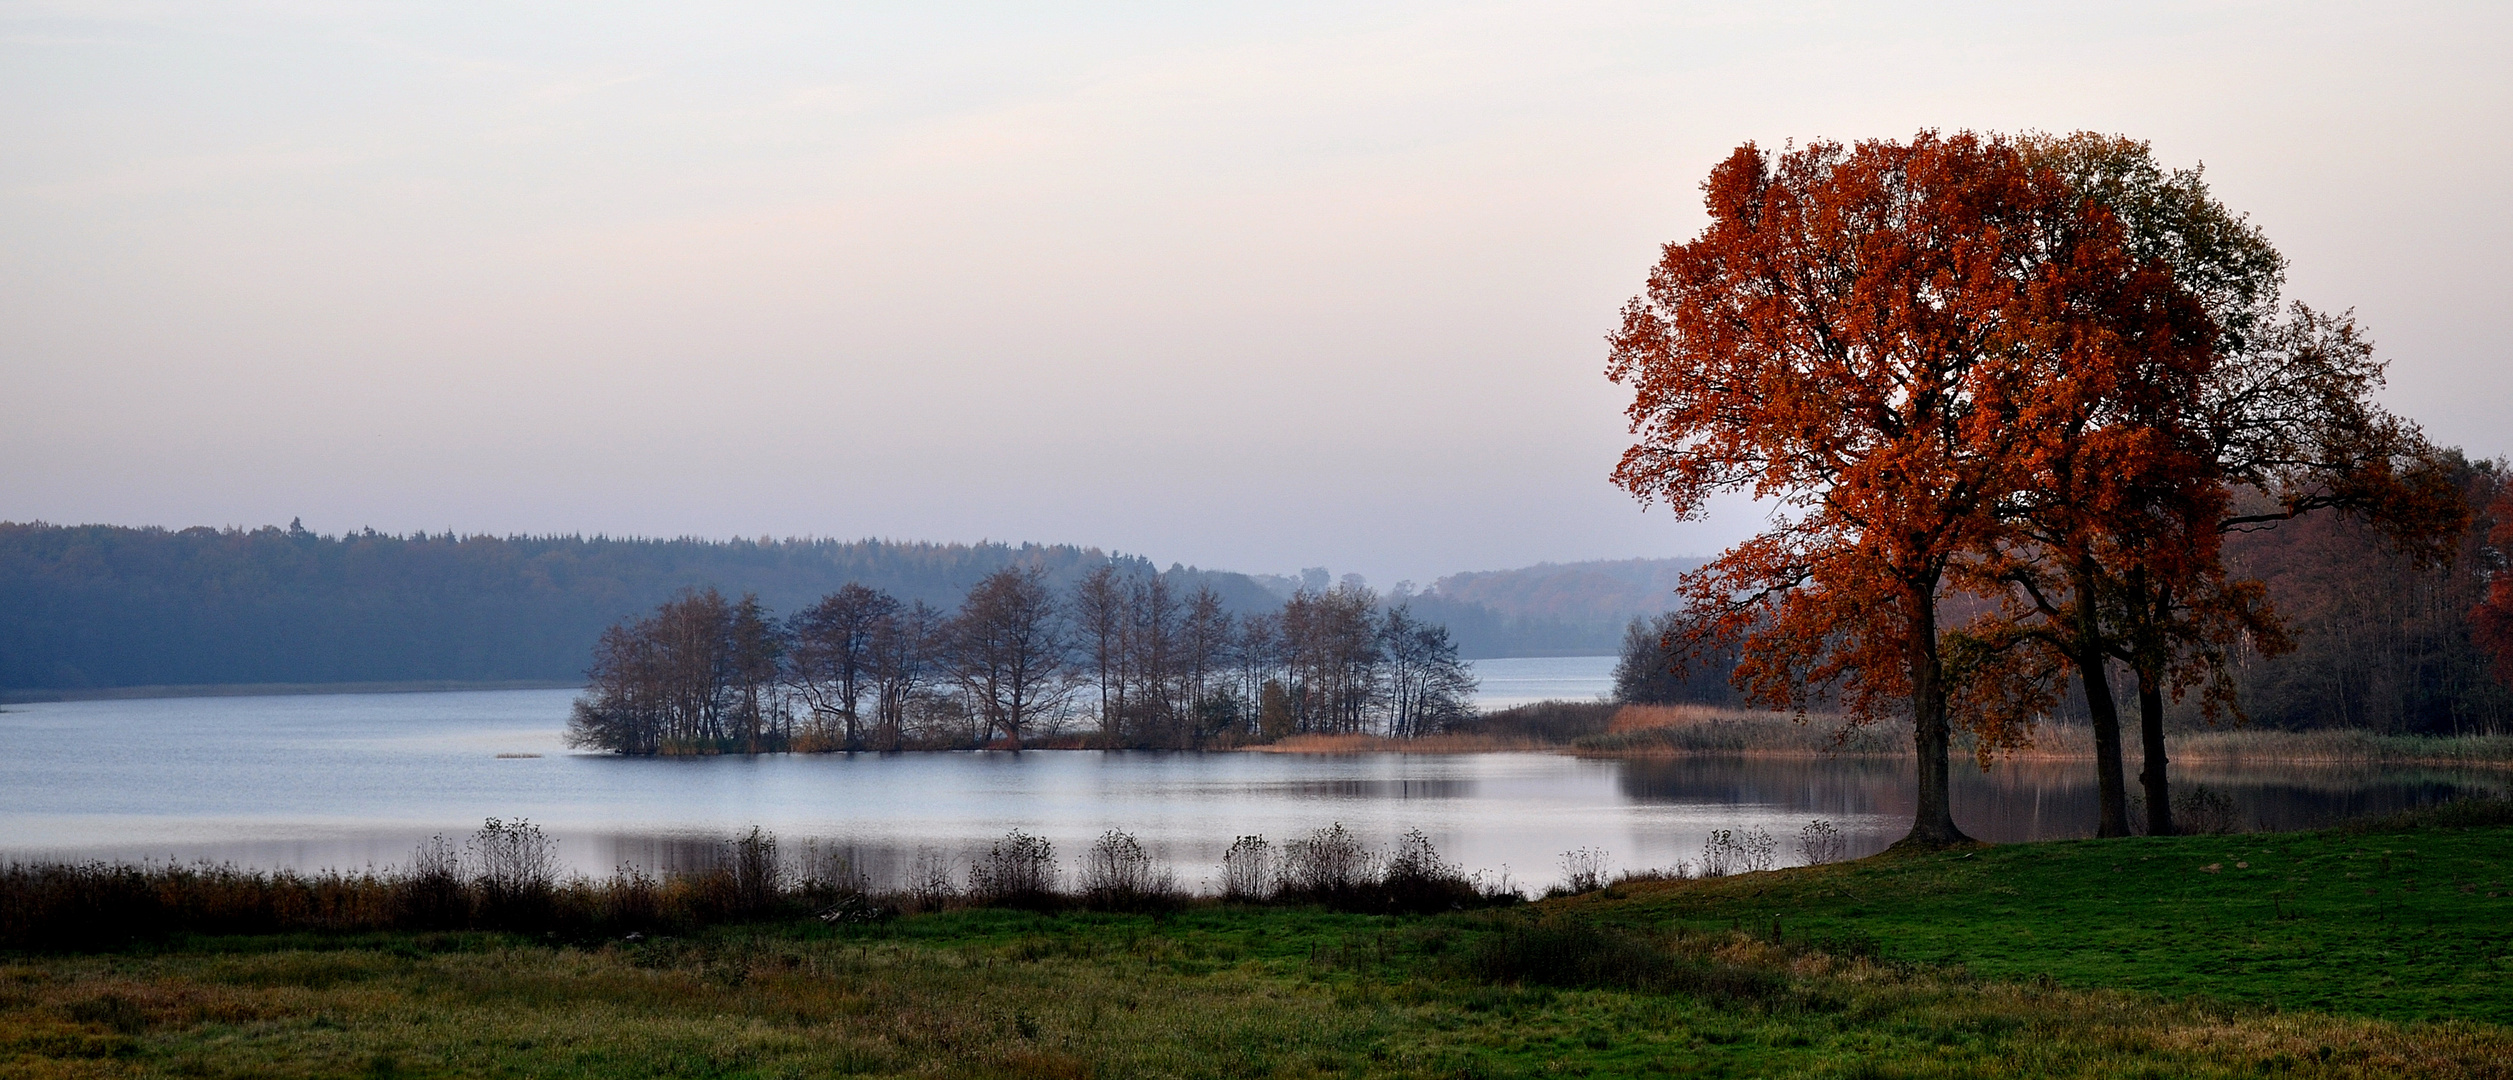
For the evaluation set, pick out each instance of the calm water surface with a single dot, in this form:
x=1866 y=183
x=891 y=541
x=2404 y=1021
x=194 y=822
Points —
x=355 y=780
x=1518 y=680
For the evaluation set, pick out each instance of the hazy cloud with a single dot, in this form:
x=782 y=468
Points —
x=1258 y=288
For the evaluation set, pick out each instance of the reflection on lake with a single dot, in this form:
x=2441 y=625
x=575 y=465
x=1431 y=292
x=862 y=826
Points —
x=351 y=780
x=2042 y=800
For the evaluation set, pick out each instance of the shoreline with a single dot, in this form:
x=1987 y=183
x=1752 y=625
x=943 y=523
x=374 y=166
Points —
x=215 y=690
x=1331 y=745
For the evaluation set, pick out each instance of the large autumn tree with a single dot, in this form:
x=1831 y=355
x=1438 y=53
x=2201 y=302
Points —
x=1865 y=337
x=2126 y=495
x=2114 y=550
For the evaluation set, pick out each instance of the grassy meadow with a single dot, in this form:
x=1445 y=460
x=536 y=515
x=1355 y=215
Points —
x=2384 y=950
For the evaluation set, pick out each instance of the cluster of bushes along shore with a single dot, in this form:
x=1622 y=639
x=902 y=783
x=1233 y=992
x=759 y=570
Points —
x=506 y=877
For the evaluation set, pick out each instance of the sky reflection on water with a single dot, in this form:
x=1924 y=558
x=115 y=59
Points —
x=355 y=780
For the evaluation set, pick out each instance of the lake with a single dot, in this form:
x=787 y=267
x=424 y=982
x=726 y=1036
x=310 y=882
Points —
x=348 y=781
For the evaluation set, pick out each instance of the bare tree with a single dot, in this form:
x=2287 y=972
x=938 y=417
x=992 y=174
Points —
x=1257 y=652
x=1099 y=616
x=663 y=684
x=906 y=650
x=753 y=649
x=1427 y=686
x=1008 y=650
x=1204 y=642
x=1152 y=660
x=833 y=645
x=1331 y=655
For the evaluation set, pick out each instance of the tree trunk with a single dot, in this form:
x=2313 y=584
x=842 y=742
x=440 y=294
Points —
x=2103 y=711
x=2151 y=730
x=1932 y=818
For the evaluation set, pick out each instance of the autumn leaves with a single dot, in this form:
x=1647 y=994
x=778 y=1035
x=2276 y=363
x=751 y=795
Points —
x=1995 y=392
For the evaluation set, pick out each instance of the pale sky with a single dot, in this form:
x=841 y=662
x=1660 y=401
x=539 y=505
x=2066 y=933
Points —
x=1253 y=286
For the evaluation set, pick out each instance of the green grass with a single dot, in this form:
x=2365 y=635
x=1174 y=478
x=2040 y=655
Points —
x=2038 y=960
x=2403 y=926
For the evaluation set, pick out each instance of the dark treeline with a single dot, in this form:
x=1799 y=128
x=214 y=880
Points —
x=95 y=606
x=2382 y=640
x=1121 y=659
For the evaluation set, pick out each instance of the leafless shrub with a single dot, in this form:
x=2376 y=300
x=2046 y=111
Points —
x=1719 y=853
x=1728 y=851
x=1328 y=865
x=1019 y=869
x=517 y=871
x=929 y=885
x=1820 y=841
x=826 y=873
x=2200 y=809
x=1758 y=851
x=1418 y=879
x=757 y=879
x=632 y=899
x=1584 y=870
x=433 y=895
x=1118 y=873
x=1248 y=870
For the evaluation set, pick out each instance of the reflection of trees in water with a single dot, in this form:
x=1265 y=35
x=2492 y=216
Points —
x=882 y=866
x=1377 y=788
x=2041 y=800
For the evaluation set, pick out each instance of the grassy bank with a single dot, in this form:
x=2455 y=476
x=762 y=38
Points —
x=2373 y=952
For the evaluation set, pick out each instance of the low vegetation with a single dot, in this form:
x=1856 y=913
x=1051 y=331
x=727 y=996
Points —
x=2375 y=950
x=507 y=878
x=1679 y=730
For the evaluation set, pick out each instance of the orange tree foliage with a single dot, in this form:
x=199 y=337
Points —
x=2128 y=492
x=2119 y=552
x=1881 y=340
x=2492 y=620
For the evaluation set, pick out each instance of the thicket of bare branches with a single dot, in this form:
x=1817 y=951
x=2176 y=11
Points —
x=1121 y=661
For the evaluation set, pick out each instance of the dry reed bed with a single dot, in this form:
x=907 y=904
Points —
x=1679 y=730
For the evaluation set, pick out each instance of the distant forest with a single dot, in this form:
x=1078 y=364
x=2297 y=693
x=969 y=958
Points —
x=93 y=607
x=1551 y=609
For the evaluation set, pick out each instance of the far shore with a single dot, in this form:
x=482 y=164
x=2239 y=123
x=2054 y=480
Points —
x=1598 y=729
x=1677 y=731
x=124 y=693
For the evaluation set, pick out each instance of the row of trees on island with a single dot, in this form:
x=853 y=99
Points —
x=1119 y=660
x=2008 y=400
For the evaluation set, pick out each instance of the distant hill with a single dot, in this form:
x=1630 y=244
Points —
x=94 y=607
x=1550 y=609
x=99 y=606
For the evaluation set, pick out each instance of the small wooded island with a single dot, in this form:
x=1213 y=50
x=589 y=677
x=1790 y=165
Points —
x=859 y=670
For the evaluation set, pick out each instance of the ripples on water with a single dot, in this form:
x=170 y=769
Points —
x=354 y=780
